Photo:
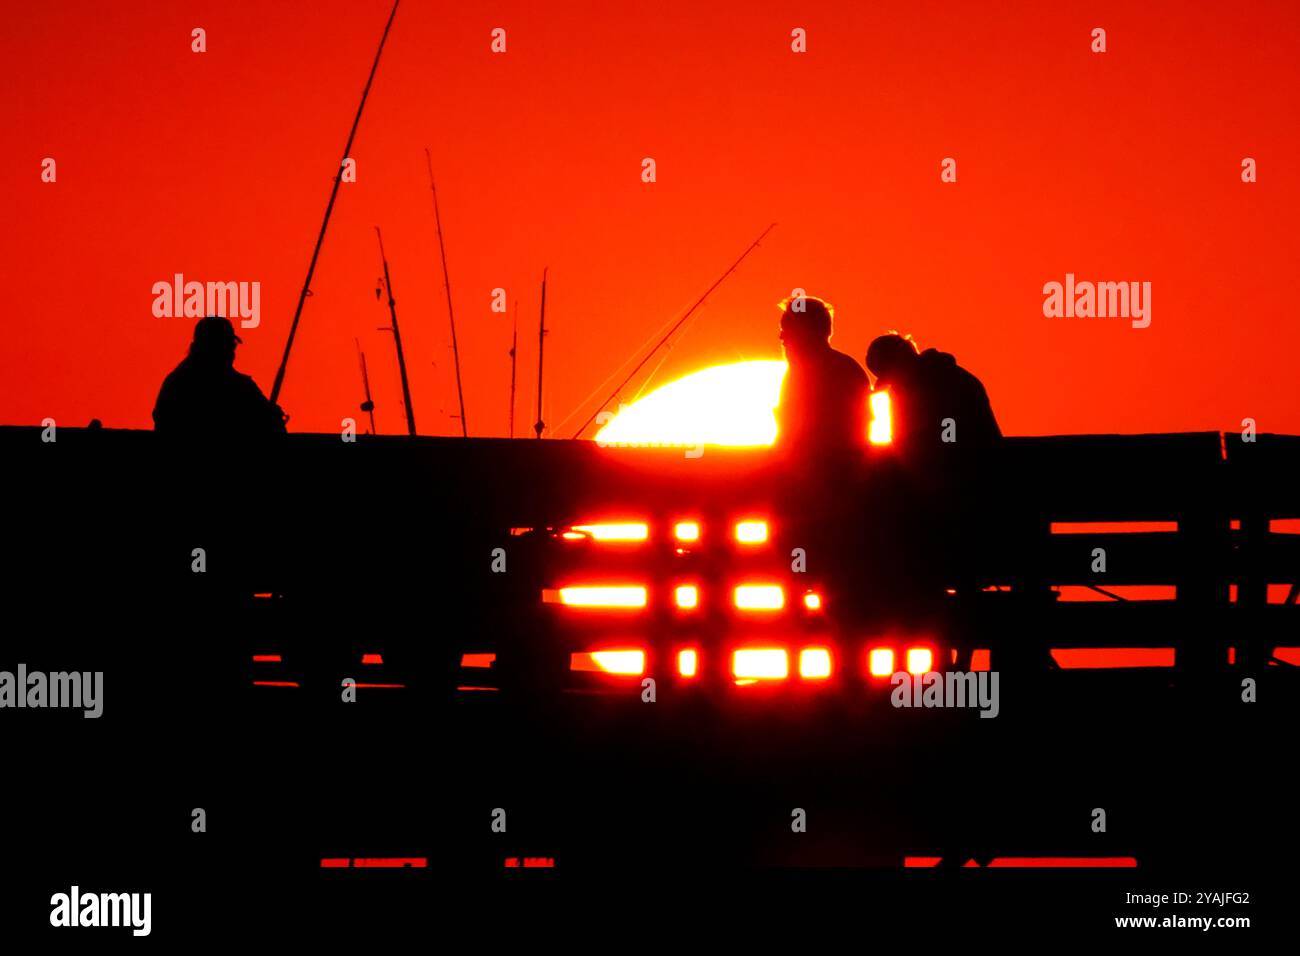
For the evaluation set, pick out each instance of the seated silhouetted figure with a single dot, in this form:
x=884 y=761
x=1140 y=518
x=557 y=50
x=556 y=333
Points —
x=823 y=405
x=205 y=398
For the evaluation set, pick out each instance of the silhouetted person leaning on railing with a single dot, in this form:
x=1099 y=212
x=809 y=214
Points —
x=939 y=411
x=946 y=438
x=205 y=398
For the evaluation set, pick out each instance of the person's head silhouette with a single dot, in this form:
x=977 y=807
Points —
x=214 y=341
x=890 y=357
x=805 y=325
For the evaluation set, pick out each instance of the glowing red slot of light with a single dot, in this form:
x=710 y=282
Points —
x=609 y=662
x=687 y=531
x=920 y=660
x=394 y=862
x=630 y=531
x=609 y=597
x=760 y=597
x=1069 y=862
x=881 y=662
x=760 y=664
x=414 y=862
x=814 y=663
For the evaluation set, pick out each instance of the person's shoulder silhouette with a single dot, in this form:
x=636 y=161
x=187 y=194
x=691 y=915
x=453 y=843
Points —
x=205 y=397
x=823 y=404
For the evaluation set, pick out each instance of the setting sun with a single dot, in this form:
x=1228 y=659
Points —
x=722 y=405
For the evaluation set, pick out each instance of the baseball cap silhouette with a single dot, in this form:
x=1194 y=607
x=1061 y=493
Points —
x=214 y=330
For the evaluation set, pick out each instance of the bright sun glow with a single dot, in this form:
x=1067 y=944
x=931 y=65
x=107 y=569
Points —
x=723 y=405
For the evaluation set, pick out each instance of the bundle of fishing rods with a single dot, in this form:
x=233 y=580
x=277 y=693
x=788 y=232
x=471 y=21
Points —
x=368 y=406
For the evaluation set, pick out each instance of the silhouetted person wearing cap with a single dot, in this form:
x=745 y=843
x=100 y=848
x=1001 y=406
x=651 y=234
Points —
x=204 y=397
x=823 y=406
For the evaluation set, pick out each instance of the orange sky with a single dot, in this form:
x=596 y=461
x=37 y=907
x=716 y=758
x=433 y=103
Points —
x=1123 y=166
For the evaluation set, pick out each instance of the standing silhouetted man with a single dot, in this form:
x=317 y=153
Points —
x=821 y=440
x=823 y=407
x=204 y=397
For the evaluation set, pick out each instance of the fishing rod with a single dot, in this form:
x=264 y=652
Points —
x=397 y=336
x=540 y=425
x=446 y=281
x=514 y=348
x=677 y=325
x=368 y=405
x=329 y=208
